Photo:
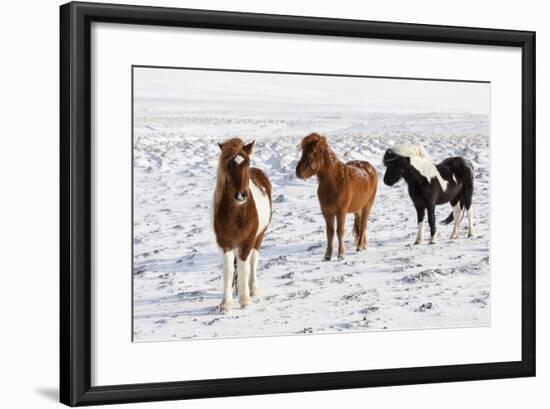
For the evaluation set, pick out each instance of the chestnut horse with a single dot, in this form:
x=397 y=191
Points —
x=343 y=188
x=242 y=212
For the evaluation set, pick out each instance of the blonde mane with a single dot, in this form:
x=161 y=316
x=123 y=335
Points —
x=421 y=161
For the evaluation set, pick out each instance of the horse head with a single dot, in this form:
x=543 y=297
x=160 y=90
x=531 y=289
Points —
x=394 y=167
x=235 y=165
x=313 y=148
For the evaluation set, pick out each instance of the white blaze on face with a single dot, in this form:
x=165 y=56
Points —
x=238 y=159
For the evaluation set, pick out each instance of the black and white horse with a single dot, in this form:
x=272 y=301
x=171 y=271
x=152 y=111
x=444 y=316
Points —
x=429 y=185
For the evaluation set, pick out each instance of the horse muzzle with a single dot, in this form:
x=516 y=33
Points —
x=390 y=182
x=241 y=197
x=302 y=174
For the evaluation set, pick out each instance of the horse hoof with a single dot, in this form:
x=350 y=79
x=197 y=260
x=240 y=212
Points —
x=253 y=291
x=454 y=236
x=244 y=302
x=224 y=307
x=417 y=242
x=327 y=257
x=340 y=258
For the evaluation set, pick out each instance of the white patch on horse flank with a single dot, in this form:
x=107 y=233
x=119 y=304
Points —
x=238 y=159
x=421 y=161
x=263 y=207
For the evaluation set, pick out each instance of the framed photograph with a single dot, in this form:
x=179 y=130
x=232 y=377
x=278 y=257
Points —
x=257 y=204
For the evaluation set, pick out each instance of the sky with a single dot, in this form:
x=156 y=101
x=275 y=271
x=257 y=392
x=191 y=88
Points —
x=311 y=92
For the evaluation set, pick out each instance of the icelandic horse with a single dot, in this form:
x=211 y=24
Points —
x=242 y=213
x=429 y=185
x=343 y=188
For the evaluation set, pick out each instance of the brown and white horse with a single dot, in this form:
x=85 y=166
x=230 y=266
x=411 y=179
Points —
x=242 y=212
x=343 y=188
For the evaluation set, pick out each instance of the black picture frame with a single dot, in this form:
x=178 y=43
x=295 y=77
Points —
x=76 y=199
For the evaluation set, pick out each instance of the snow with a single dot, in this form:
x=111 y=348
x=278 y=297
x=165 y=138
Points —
x=394 y=285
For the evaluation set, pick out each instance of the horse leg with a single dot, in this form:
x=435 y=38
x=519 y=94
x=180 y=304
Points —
x=420 y=217
x=243 y=270
x=471 y=222
x=431 y=221
x=357 y=230
x=254 y=258
x=457 y=215
x=470 y=212
x=362 y=242
x=466 y=199
x=340 y=226
x=365 y=212
x=364 y=218
x=235 y=284
x=228 y=271
x=329 y=219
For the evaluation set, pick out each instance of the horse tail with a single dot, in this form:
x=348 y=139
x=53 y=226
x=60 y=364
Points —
x=449 y=218
x=468 y=186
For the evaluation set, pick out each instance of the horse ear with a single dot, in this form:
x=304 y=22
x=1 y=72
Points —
x=220 y=145
x=248 y=147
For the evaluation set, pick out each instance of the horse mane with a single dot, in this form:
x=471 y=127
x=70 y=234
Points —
x=409 y=151
x=322 y=146
x=220 y=185
x=314 y=137
x=228 y=149
x=421 y=161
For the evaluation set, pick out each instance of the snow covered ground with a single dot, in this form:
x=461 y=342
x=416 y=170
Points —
x=394 y=285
